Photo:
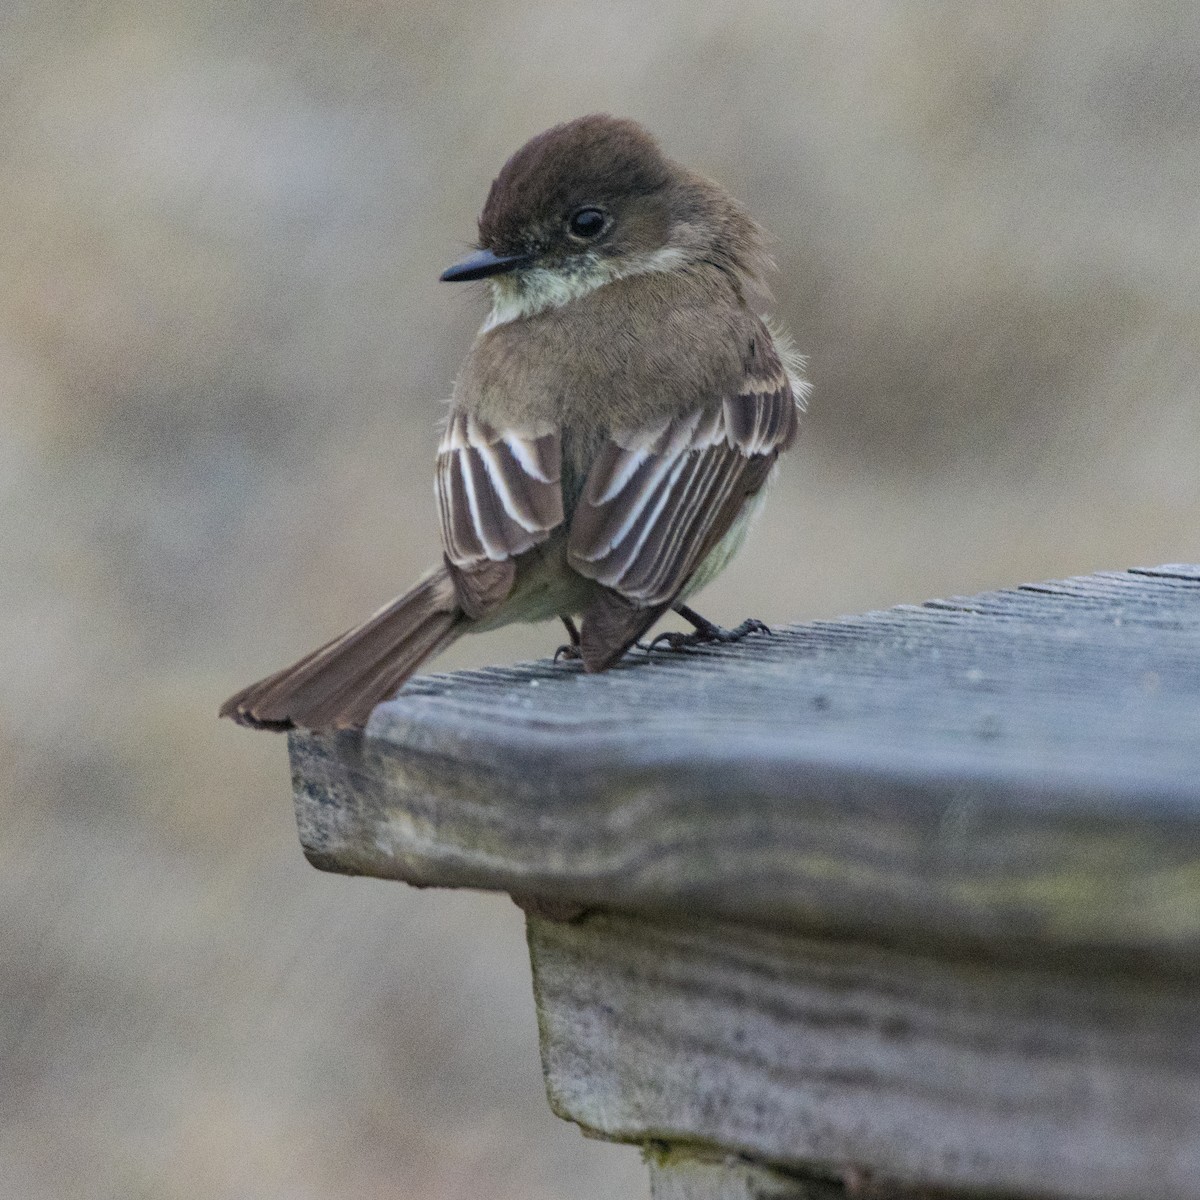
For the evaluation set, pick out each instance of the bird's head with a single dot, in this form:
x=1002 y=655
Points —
x=595 y=200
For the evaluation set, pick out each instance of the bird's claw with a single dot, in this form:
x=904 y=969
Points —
x=712 y=633
x=568 y=653
x=673 y=639
x=748 y=626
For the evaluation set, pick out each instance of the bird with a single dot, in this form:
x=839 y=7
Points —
x=609 y=435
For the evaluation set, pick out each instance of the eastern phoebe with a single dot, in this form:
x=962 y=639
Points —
x=610 y=432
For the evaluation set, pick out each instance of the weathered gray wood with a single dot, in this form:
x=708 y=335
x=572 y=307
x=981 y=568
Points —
x=934 y=1073
x=1017 y=773
x=904 y=900
x=683 y=1176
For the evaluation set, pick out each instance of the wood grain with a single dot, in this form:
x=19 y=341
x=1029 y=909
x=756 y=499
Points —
x=880 y=1066
x=683 y=1176
x=1011 y=774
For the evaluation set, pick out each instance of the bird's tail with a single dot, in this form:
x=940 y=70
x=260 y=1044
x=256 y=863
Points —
x=337 y=685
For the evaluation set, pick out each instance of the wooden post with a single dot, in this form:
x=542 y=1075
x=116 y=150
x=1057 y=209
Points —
x=901 y=902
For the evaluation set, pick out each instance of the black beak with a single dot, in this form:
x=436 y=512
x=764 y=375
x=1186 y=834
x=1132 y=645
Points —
x=483 y=264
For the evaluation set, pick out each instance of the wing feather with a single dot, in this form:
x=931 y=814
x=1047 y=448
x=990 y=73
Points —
x=499 y=494
x=657 y=502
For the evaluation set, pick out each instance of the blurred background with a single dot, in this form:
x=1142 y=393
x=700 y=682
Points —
x=223 y=354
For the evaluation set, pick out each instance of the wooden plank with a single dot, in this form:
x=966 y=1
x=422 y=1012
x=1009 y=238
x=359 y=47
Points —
x=683 y=1176
x=1017 y=772
x=864 y=1062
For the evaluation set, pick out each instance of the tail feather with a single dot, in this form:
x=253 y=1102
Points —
x=338 y=684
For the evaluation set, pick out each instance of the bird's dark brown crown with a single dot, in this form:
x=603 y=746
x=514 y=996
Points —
x=594 y=159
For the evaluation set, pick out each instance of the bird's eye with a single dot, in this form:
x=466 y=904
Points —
x=587 y=223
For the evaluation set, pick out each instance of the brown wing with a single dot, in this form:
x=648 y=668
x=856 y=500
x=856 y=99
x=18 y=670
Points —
x=657 y=502
x=499 y=494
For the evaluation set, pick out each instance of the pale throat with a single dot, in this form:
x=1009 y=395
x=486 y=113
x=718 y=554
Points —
x=533 y=290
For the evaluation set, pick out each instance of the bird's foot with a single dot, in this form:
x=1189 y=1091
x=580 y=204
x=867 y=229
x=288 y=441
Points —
x=707 y=632
x=571 y=652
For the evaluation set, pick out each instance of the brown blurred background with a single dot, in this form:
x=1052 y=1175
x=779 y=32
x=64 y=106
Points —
x=223 y=353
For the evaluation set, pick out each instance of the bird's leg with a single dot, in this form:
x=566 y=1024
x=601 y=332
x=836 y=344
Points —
x=705 y=631
x=571 y=650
